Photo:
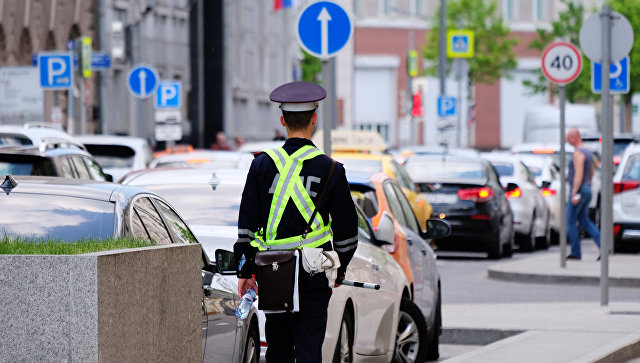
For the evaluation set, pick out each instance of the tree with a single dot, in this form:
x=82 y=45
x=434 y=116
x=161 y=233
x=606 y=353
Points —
x=493 y=48
x=566 y=28
x=311 y=68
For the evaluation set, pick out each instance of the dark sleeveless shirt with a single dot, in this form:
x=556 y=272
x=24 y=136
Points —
x=588 y=164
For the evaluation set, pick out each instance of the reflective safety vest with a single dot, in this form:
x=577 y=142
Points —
x=289 y=186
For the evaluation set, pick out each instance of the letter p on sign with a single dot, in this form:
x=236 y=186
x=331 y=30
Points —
x=168 y=94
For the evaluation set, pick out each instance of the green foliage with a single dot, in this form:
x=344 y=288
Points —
x=631 y=10
x=493 y=48
x=565 y=28
x=311 y=68
x=40 y=246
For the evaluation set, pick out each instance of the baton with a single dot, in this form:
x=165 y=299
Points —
x=366 y=285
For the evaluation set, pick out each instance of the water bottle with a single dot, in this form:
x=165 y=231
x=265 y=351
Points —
x=245 y=304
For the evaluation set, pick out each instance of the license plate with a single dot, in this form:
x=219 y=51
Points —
x=441 y=198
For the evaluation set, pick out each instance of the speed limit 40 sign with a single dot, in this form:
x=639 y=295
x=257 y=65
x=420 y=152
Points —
x=561 y=62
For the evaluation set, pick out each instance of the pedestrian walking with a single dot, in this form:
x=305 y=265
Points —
x=580 y=173
x=295 y=196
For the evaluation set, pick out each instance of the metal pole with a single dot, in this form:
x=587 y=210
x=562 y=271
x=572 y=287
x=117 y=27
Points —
x=70 y=110
x=326 y=106
x=442 y=56
x=410 y=90
x=83 y=106
x=563 y=182
x=606 y=226
x=200 y=50
x=459 y=69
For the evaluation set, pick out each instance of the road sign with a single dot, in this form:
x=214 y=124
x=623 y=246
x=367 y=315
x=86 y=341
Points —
x=100 y=60
x=412 y=63
x=142 y=80
x=619 y=77
x=591 y=35
x=85 y=57
x=561 y=62
x=56 y=70
x=168 y=125
x=324 y=28
x=446 y=106
x=460 y=43
x=169 y=94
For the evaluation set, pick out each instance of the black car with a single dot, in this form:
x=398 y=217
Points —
x=466 y=192
x=63 y=162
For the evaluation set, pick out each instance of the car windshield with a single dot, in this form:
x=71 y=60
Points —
x=200 y=204
x=56 y=217
x=503 y=168
x=361 y=165
x=14 y=140
x=25 y=165
x=112 y=156
x=439 y=169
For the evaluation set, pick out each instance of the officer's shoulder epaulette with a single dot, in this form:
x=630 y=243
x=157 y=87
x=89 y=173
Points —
x=257 y=153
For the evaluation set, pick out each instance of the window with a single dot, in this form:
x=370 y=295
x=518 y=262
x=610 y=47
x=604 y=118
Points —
x=176 y=225
x=403 y=178
x=66 y=167
x=538 y=10
x=364 y=231
x=81 y=168
x=95 y=170
x=137 y=227
x=509 y=9
x=394 y=204
x=410 y=217
x=151 y=221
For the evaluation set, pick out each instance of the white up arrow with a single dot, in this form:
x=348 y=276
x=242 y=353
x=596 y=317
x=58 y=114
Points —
x=143 y=84
x=324 y=19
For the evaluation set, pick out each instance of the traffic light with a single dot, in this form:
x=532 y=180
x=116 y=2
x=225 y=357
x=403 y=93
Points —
x=416 y=110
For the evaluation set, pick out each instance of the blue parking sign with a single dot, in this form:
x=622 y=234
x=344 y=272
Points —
x=446 y=106
x=56 y=70
x=168 y=94
x=619 y=77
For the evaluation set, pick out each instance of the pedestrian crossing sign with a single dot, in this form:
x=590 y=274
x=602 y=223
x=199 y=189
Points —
x=459 y=43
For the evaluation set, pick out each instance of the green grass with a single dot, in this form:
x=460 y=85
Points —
x=26 y=246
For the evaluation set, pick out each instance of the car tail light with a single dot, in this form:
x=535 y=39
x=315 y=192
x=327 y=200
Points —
x=616 y=229
x=482 y=217
x=547 y=192
x=516 y=193
x=476 y=194
x=616 y=159
x=624 y=186
x=264 y=344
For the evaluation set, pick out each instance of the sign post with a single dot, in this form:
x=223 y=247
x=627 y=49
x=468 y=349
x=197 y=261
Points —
x=168 y=114
x=323 y=29
x=460 y=45
x=605 y=26
x=561 y=64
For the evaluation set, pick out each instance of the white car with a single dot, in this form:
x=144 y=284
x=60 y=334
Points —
x=116 y=154
x=547 y=176
x=365 y=325
x=626 y=201
x=212 y=159
x=39 y=135
x=531 y=220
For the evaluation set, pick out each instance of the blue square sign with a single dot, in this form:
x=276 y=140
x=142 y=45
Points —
x=56 y=70
x=619 y=74
x=168 y=94
x=446 y=106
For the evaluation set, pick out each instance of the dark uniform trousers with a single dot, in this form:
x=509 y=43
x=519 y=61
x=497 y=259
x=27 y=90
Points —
x=297 y=337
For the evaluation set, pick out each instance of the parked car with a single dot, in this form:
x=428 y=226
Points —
x=361 y=322
x=117 y=154
x=379 y=195
x=530 y=210
x=620 y=143
x=626 y=201
x=71 y=209
x=216 y=159
x=466 y=192
x=547 y=177
x=61 y=162
x=374 y=163
x=39 y=135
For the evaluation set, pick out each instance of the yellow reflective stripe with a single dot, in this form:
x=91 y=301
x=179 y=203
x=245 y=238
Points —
x=313 y=239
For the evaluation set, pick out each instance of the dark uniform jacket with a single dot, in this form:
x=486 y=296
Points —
x=256 y=202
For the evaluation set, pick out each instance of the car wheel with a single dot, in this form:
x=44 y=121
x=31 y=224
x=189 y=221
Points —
x=494 y=249
x=411 y=336
x=252 y=346
x=433 y=347
x=544 y=241
x=344 y=346
x=507 y=251
x=555 y=237
x=527 y=243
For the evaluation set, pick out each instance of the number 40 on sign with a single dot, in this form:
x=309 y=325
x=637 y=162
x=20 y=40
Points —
x=561 y=63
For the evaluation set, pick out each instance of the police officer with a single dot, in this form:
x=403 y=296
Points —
x=296 y=336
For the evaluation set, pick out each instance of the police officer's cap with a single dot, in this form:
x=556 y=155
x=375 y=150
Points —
x=298 y=96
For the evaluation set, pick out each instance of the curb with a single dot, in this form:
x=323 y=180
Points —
x=474 y=336
x=560 y=279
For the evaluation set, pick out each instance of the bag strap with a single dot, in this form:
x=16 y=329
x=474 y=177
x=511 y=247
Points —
x=324 y=189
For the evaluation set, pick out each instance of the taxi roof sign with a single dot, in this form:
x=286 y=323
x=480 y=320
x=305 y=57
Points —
x=352 y=140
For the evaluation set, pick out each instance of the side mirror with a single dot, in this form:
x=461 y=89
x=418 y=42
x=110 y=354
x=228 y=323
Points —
x=511 y=187
x=386 y=229
x=545 y=184
x=207 y=278
x=225 y=262
x=108 y=177
x=437 y=228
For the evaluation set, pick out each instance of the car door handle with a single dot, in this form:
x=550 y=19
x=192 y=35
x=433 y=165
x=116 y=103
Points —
x=410 y=241
x=375 y=267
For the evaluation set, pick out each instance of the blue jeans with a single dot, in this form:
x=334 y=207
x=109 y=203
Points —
x=579 y=213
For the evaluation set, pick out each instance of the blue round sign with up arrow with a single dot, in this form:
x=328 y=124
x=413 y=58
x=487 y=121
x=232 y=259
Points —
x=324 y=28
x=142 y=80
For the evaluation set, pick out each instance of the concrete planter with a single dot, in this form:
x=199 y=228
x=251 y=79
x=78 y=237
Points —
x=141 y=304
